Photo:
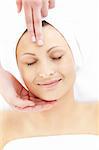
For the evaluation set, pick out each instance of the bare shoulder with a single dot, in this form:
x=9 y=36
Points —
x=9 y=117
x=4 y=127
x=98 y=117
x=92 y=110
x=10 y=125
x=88 y=106
x=15 y=125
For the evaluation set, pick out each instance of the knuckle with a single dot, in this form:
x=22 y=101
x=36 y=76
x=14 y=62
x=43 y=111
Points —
x=28 y=20
x=37 y=21
x=37 y=3
x=29 y=26
x=26 y=3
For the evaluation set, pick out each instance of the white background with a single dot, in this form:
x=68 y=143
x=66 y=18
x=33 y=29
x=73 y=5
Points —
x=84 y=15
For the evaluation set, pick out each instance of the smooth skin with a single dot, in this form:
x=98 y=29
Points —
x=34 y=11
x=17 y=96
x=67 y=116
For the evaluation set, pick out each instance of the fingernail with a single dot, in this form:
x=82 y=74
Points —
x=33 y=39
x=40 y=42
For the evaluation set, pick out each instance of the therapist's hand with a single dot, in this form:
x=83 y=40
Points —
x=34 y=11
x=18 y=97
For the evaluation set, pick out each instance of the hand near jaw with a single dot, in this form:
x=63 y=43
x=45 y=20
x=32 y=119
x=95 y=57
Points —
x=18 y=97
x=10 y=88
x=34 y=11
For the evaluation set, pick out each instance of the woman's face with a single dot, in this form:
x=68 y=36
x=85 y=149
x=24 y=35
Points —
x=47 y=71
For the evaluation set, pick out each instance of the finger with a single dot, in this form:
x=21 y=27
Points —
x=38 y=108
x=44 y=10
x=51 y=4
x=19 y=5
x=21 y=102
x=38 y=25
x=31 y=94
x=41 y=106
x=24 y=92
x=29 y=21
x=33 y=97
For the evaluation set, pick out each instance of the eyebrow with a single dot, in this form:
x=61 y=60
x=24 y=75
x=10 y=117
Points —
x=51 y=48
x=47 y=51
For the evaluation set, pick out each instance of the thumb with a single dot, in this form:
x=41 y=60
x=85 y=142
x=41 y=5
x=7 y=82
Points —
x=19 y=5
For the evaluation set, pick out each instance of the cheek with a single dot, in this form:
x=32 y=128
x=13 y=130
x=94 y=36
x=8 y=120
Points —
x=67 y=66
x=69 y=75
x=67 y=69
x=27 y=74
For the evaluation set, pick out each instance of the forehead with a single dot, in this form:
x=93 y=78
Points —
x=51 y=38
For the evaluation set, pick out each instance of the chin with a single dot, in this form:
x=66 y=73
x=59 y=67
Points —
x=51 y=97
x=48 y=95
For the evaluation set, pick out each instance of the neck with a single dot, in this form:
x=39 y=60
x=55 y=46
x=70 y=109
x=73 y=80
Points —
x=56 y=119
x=63 y=106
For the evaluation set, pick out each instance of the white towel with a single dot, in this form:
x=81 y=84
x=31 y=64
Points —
x=62 y=142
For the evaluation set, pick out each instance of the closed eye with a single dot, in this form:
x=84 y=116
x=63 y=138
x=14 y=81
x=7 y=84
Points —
x=57 y=58
x=32 y=63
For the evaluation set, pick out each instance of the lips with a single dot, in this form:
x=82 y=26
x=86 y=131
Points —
x=49 y=83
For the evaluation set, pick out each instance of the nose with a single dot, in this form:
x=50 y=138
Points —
x=43 y=75
x=46 y=70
